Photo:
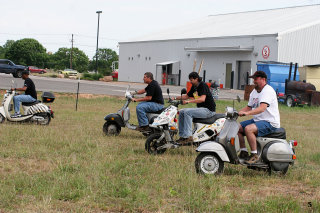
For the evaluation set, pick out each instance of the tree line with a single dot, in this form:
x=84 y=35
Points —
x=30 y=52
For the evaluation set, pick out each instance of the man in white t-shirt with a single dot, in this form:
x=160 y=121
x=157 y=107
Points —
x=263 y=105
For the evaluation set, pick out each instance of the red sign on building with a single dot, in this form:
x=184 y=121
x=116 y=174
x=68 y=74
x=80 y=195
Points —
x=265 y=52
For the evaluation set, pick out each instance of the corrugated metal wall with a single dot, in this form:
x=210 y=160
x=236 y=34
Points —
x=301 y=46
x=136 y=58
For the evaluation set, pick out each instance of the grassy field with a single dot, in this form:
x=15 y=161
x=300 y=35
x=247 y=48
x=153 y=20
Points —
x=70 y=166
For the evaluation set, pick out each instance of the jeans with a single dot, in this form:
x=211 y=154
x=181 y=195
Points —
x=21 y=98
x=142 y=110
x=185 y=119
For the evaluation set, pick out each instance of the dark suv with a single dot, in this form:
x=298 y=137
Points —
x=8 y=67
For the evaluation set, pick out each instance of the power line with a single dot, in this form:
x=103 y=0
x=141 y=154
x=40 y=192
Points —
x=88 y=36
x=35 y=34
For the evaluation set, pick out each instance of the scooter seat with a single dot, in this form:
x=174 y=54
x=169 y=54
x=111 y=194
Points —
x=278 y=133
x=159 y=112
x=210 y=120
x=30 y=103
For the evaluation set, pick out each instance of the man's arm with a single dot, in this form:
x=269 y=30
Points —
x=199 y=100
x=147 y=98
x=21 y=89
x=183 y=97
x=260 y=109
x=142 y=91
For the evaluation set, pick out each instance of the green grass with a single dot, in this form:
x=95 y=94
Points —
x=70 y=166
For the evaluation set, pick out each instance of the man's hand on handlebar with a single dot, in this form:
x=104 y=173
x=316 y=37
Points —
x=185 y=102
x=133 y=99
x=242 y=113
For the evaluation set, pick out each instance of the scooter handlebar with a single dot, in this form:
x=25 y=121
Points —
x=231 y=113
x=174 y=102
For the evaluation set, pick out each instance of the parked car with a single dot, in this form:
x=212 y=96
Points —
x=69 y=72
x=34 y=69
x=8 y=67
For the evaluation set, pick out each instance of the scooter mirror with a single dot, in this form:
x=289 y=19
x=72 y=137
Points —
x=183 y=91
x=168 y=91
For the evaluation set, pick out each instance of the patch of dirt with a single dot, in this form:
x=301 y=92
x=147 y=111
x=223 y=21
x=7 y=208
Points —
x=299 y=191
x=29 y=166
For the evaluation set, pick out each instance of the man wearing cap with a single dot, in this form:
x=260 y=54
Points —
x=29 y=96
x=263 y=106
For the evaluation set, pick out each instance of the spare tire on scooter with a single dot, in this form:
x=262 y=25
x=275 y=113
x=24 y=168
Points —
x=111 y=129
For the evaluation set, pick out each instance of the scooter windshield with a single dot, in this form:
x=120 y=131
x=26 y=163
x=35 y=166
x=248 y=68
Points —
x=230 y=129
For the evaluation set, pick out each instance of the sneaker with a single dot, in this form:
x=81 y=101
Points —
x=253 y=159
x=16 y=115
x=185 y=141
x=244 y=155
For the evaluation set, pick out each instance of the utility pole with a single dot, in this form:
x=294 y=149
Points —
x=97 y=40
x=71 y=52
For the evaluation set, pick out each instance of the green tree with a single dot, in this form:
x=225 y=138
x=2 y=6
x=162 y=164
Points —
x=2 y=52
x=105 y=58
x=5 y=48
x=61 y=58
x=27 y=52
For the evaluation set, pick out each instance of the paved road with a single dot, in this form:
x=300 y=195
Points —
x=96 y=87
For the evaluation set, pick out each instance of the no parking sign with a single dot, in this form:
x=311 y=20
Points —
x=265 y=52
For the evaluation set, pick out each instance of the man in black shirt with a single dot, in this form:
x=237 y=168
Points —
x=29 y=96
x=152 y=102
x=201 y=95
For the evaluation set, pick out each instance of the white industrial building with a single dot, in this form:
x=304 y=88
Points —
x=230 y=45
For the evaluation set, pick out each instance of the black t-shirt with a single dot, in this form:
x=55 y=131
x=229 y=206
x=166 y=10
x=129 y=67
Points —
x=153 y=89
x=31 y=89
x=203 y=89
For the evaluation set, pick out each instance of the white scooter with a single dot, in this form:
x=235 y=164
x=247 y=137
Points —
x=204 y=129
x=116 y=121
x=275 y=153
x=33 y=112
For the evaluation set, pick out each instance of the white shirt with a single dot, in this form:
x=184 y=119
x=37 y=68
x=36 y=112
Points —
x=268 y=96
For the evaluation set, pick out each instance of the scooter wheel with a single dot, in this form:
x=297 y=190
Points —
x=46 y=119
x=111 y=129
x=152 y=144
x=208 y=163
x=278 y=168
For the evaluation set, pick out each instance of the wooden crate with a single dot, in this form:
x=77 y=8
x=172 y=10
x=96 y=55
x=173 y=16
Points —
x=315 y=98
x=311 y=74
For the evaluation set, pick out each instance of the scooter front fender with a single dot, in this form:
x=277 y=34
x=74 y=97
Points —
x=114 y=117
x=2 y=112
x=212 y=146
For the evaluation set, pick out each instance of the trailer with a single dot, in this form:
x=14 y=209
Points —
x=297 y=93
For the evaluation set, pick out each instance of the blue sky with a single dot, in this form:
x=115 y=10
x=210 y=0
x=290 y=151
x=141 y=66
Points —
x=53 y=22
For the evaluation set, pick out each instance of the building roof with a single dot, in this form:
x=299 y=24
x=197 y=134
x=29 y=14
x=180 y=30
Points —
x=262 y=22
